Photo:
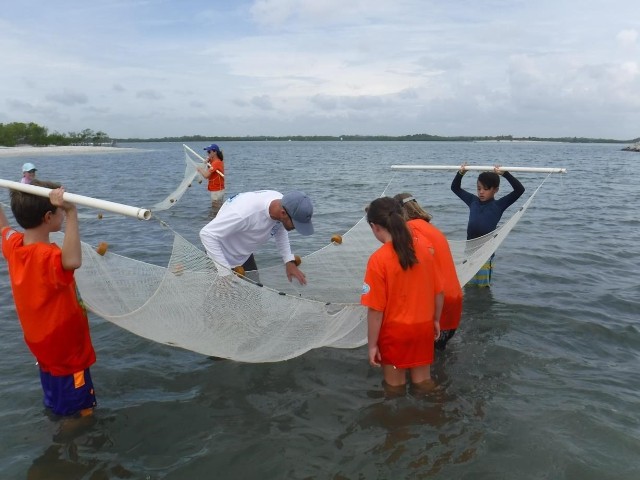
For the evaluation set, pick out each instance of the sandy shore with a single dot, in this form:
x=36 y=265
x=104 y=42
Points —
x=54 y=150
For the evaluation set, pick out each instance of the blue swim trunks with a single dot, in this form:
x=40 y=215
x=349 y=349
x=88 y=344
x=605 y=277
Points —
x=69 y=394
x=483 y=277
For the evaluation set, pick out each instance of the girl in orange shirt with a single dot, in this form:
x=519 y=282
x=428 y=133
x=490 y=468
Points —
x=214 y=171
x=418 y=221
x=404 y=295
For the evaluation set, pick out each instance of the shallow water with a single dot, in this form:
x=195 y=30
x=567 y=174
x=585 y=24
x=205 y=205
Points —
x=540 y=381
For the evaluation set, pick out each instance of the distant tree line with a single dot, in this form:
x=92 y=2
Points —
x=421 y=137
x=12 y=134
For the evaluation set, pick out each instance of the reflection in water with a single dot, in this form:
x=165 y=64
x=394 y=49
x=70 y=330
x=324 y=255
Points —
x=426 y=431
x=476 y=301
x=422 y=431
x=59 y=461
x=73 y=452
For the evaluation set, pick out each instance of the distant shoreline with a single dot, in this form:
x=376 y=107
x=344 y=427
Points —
x=372 y=138
x=28 y=151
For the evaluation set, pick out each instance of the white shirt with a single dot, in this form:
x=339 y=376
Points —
x=243 y=225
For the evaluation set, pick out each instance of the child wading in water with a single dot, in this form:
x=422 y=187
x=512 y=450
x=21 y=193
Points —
x=52 y=316
x=484 y=210
x=214 y=172
x=404 y=293
x=419 y=222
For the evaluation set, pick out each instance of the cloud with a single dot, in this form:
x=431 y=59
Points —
x=325 y=102
x=627 y=38
x=149 y=94
x=151 y=69
x=263 y=102
x=68 y=98
x=272 y=14
x=24 y=106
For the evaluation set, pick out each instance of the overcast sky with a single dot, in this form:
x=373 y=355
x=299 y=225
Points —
x=152 y=68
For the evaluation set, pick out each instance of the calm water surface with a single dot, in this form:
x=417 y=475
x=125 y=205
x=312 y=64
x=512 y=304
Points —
x=540 y=382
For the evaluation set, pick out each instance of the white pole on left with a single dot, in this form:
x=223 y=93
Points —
x=127 y=210
x=191 y=150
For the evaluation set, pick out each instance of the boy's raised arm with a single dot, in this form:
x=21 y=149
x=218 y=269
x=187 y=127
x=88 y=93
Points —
x=71 y=247
x=514 y=182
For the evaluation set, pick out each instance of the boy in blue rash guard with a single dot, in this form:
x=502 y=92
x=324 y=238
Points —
x=484 y=210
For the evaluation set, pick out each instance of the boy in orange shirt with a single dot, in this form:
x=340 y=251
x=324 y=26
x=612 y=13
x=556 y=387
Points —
x=418 y=221
x=404 y=295
x=53 y=318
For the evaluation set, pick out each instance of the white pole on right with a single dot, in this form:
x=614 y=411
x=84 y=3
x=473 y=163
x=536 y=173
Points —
x=481 y=168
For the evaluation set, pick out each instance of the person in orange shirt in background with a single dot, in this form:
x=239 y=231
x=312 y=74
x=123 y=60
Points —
x=215 y=173
x=404 y=295
x=418 y=221
x=53 y=318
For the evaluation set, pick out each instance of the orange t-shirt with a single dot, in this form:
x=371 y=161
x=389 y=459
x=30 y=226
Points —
x=452 y=309
x=407 y=300
x=216 y=181
x=53 y=319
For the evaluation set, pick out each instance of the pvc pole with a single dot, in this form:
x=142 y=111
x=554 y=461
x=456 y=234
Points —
x=191 y=150
x=203 y=160
x=483 y=168
x=127 y=210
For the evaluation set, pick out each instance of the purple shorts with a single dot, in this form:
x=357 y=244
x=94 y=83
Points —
x=68 y=394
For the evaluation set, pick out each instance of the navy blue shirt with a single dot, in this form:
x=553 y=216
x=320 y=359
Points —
x=484 y=216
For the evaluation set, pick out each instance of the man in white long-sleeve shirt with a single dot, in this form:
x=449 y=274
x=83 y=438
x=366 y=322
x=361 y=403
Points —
x=248 y=220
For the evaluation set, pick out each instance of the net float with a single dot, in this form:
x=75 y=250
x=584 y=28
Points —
x=102 y=248
x=178 y=269
x=336 y=239
x=239 y=271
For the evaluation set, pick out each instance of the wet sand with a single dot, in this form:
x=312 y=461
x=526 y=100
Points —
x=27 y=151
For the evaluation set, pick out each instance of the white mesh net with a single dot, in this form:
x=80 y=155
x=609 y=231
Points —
x=191 y=161
x=190 y=173
x=187 y=304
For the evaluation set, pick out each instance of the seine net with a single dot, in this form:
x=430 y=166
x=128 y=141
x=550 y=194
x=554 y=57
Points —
x=189 y=176
x=188 y=304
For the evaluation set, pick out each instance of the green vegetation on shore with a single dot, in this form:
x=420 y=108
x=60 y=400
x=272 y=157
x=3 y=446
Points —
x=13 y=134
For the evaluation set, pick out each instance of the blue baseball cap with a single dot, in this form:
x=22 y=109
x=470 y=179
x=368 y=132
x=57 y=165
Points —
x=300 y=209
x=212 y=148
x=27 y=167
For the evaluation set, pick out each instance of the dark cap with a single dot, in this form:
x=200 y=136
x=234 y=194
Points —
x=212 y=148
